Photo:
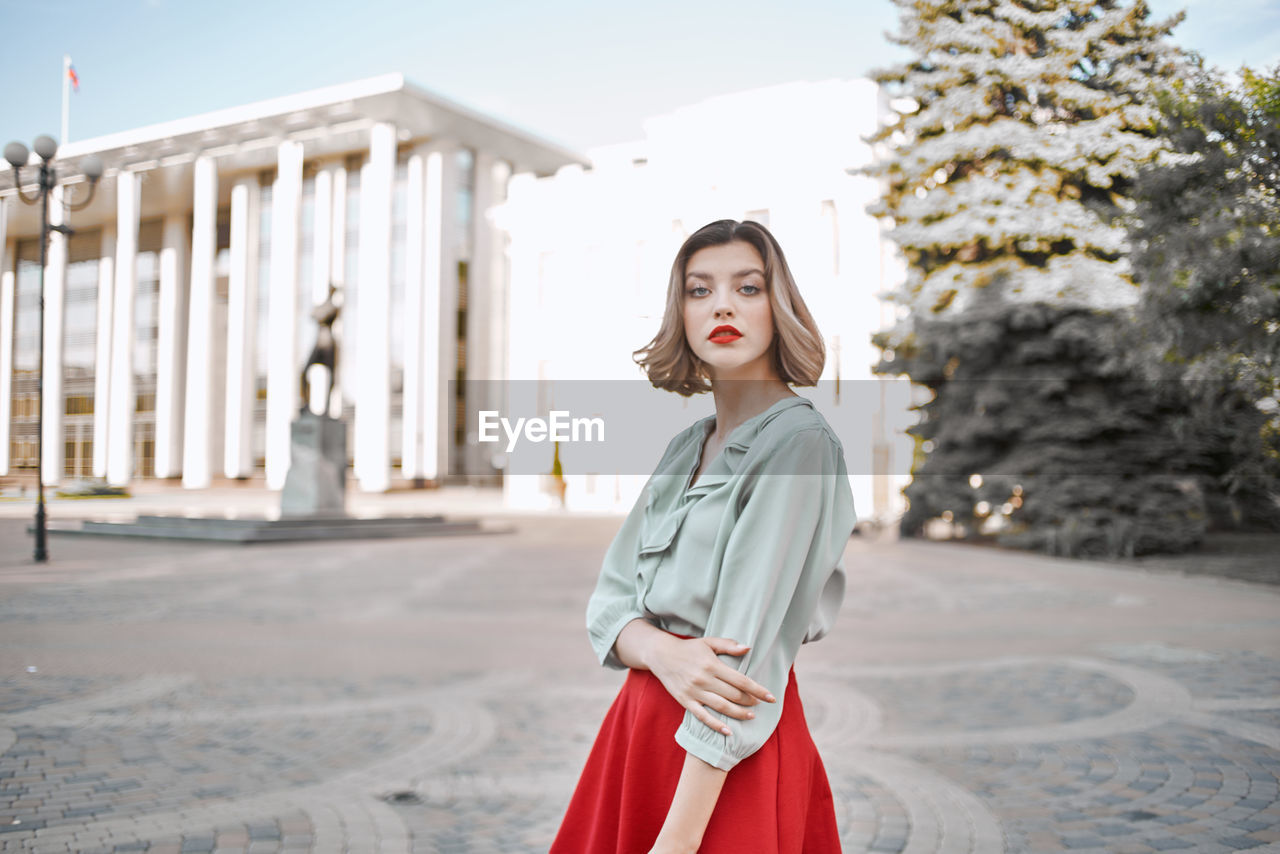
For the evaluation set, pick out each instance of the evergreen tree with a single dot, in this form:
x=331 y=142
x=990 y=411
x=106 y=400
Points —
x=1008 y=163
x=1206 y=248
x=1023 y=125
x=1038 y=432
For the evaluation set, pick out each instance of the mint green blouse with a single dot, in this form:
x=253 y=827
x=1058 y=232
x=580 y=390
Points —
x=752 y=551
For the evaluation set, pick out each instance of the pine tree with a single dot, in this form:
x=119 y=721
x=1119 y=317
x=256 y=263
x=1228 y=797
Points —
x=1206 y=238
x=1023 y=125
x=1072 y=456
x=1008 y=165
x=1206 y=229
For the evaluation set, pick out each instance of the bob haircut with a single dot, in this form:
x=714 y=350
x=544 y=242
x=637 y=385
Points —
x=798 y=351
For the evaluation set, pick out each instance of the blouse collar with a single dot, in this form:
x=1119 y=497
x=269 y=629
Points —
x=739 y=440
x=671 y=502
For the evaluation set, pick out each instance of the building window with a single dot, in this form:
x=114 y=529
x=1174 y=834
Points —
x=464 y=209
x=144 y=452
x=80 y=306
x=79 y=404
x=460 y=372
x=79 y=351
x=26 y=355
x=222 y=260
x=146 y=316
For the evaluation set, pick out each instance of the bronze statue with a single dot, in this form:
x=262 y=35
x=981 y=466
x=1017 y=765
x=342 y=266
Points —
x=325 y=352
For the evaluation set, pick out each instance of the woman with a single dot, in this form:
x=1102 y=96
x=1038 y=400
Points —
x=728 y=562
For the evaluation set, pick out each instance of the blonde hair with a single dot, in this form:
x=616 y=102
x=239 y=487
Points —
x=798 y=351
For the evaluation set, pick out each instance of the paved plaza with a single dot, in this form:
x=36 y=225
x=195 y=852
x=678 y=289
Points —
x=439 y=695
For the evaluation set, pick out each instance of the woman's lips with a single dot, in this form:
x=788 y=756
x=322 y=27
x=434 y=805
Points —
x=724 y=335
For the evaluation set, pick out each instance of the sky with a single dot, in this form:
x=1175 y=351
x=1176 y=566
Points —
x=577 y=73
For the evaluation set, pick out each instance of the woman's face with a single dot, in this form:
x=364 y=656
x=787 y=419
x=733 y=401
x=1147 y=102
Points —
x=728 y=320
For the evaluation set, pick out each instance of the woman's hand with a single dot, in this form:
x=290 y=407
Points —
x=691 y=673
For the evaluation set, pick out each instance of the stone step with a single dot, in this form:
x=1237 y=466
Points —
x=262 y=530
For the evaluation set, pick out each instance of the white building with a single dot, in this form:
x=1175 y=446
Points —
x=469 y=254
x=178 y=314
x=591 y=251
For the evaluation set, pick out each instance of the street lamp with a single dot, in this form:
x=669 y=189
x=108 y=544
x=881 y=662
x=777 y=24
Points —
x=91 y=167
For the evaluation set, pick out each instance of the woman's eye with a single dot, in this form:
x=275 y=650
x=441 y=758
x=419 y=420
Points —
x=750 y=289
x=697 y=291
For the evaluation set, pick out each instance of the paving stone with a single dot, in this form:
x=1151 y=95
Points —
x=1076 y=842
x=1112 y=829
x=282 y=692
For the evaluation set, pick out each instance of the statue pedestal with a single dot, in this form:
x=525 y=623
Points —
x=317 y=481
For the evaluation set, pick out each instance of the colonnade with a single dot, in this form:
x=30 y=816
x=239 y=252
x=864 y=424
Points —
x=205 y=368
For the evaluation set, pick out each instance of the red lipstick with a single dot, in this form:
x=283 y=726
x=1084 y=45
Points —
x=724 y=335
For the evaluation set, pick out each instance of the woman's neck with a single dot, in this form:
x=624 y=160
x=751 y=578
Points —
x=737 y=400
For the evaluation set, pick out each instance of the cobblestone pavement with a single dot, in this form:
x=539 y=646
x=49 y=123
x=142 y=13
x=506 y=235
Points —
x=439 y=695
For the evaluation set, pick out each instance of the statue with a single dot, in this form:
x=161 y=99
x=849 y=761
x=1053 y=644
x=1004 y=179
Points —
x=315 y=485
x=325 y=352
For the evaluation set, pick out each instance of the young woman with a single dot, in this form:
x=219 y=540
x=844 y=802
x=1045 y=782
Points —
x=729 y=561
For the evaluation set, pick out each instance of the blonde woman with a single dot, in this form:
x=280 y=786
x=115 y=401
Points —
x=729 y=561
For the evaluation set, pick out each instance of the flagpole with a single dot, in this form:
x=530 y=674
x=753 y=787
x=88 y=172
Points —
x=66 y=99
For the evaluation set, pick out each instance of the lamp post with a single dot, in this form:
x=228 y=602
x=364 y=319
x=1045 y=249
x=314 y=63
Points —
x=47 y=178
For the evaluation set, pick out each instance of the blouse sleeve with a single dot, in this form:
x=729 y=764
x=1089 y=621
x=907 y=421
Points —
x=614 y=602
x=784 y=547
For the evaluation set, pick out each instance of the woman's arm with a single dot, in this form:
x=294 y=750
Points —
x=691 y=672
x=783 y=546
x=691 y=808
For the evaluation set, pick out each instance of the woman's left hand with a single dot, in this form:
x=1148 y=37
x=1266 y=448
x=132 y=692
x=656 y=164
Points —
x=662 y=846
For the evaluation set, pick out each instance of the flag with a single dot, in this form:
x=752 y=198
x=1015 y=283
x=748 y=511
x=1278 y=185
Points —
x=75 y=78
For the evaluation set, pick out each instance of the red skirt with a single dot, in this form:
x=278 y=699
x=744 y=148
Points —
x=776 y=800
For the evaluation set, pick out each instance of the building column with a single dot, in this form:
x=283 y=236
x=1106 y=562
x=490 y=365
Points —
x=121 y=403
x=522 y=368
x=373 y=353
x=338 y=269
x=486 y=305
x=411 y=456
x=438 y=320
x=8 y=283
x=170 y=351
x=198 y=458
x=102 y=341
x=55 y=285
x=282 y=368
x=242 y=327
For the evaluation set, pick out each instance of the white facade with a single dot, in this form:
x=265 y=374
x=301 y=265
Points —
x=591 y=251
x=177 y=316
